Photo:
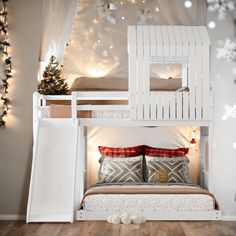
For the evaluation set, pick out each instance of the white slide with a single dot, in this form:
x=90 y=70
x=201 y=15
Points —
x=52 y=183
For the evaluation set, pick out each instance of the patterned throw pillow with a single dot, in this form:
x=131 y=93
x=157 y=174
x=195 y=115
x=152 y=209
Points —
x=168 y=170
x=121 y=152
x=121 y=170
x=165 y=152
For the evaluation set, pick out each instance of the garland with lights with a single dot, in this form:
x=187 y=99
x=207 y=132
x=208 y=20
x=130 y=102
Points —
x=5 y=63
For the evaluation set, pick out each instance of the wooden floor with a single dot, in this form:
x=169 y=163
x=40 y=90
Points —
x=97 y=228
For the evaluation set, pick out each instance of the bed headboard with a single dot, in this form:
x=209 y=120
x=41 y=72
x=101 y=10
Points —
x=167 y=137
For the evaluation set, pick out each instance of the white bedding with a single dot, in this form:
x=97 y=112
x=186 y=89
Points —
x=148 y=202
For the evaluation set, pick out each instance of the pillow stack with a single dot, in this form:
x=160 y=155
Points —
x=143 y=164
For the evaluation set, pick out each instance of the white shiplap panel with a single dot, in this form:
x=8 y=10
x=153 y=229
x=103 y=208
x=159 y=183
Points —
x=179 y=42
x=166 y=106
x=146 y=72
x=192 y=67
x=146 y=87
x=205 y=83
x=152 y=35
x=146 y=40
x=166 y=44
x=140 y=73
x=198 y=69
x=204 y=35
x=159 y=41
x=185 y=105
x=132 y=70
x=172 y=41
x=159 y=105
x=179 y=107
x=205 y=72
x=185 y=40
x=153 y=101
x=172 y=105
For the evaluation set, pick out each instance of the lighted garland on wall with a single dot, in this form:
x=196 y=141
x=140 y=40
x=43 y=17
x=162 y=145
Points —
x=5 y=63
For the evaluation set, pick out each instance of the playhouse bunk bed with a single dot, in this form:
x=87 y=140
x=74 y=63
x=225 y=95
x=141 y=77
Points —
x=56 y=194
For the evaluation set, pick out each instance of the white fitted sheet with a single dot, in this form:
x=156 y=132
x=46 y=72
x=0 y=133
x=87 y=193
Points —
x=148 y=202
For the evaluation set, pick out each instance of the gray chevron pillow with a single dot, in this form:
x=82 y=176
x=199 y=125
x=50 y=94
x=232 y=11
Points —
x=167 y=170
x=121 y=170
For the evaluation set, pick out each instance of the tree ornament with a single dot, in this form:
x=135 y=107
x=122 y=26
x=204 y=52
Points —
x=105 y=11
x=223 y=7
x=52 y=83
x=144 y=15
x=230 y=112
x=227 y=50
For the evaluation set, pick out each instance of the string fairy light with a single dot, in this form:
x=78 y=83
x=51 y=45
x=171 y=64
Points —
x=6 y=67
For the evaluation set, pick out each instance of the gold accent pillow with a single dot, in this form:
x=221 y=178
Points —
x=161 y=176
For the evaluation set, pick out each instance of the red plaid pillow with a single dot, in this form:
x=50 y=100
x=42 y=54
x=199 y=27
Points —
x=121 y=152
x=165 y=152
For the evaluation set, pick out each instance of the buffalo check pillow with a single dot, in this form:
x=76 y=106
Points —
x=165 y=152
x=121 y=152
x=168 y=170
x=121 y=170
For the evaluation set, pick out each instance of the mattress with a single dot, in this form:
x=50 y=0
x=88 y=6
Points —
x=120 y=84
x=148 y=202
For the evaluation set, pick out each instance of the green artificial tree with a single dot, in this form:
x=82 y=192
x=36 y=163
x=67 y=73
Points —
x=52 y=83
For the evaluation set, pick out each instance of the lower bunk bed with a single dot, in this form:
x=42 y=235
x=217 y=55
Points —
x=151 y=182
x=152 y=201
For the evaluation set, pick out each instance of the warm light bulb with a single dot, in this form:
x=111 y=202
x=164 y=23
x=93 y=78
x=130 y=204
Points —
x=111 y=46
x=188 y=4
x=143 y=1
x=95 y=21
x=122 y=17
x=121 y=3
x=234 y=145
x=157 y=9
x=211 y=24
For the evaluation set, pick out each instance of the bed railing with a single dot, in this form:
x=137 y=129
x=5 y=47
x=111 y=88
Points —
x=168 y=106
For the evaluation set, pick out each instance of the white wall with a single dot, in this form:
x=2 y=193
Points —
x=16 y=139
x=224 y=89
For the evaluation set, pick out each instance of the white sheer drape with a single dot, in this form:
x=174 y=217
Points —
x=175 y=13
x=58 y=16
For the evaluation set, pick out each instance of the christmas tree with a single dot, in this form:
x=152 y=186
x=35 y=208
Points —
x=52 y=83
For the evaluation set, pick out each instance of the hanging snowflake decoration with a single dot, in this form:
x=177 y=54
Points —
x=227 y=50
x=144 y=16
x=105 y=11
x=223 y=7
x=230 y=112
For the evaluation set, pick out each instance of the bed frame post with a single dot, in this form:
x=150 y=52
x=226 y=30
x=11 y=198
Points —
x=36 y=104
x=210 y=158
x=80 y=168
x=74 y=106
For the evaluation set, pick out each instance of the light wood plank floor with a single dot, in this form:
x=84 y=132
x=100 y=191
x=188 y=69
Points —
x=97 y=228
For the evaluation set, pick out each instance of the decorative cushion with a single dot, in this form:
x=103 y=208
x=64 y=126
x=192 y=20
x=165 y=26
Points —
x=167 y=170
x=165 y=152
x=121 y=170
x=121 y=152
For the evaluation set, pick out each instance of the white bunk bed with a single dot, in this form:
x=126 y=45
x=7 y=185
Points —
x=57 y=195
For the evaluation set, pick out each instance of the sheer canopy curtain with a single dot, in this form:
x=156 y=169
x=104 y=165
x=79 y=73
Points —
x=58 y=16
x=175 y=13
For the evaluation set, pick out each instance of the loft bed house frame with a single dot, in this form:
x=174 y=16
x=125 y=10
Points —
x=59 y=154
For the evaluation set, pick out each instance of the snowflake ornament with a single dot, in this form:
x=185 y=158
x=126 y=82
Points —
x=106 y=11
x=223 y=7
x=230 y=112
x=144 y=15
x=227 y=50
